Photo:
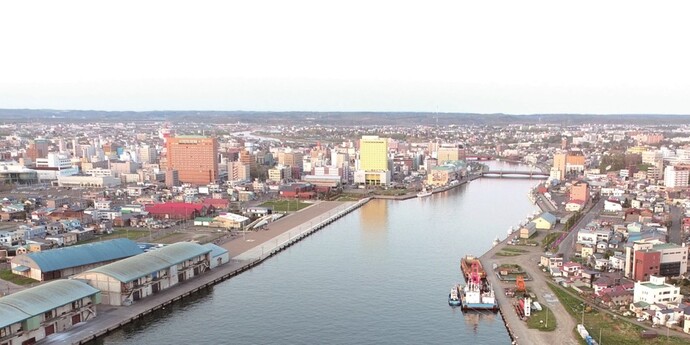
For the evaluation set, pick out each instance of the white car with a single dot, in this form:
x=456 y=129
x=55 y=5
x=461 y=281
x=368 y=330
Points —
x=641 y=319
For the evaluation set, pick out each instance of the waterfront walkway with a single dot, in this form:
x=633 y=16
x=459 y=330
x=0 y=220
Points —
x=255 y=244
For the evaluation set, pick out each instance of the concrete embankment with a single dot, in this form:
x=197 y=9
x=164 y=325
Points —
x=435 y=191
x=111 y=318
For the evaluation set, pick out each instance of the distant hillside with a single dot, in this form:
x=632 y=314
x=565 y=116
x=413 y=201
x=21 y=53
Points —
x=331 y=118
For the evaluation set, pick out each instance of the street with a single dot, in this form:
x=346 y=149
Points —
x=568 y=245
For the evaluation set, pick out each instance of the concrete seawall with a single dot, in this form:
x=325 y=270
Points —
x=436 y=190
x=111 y=318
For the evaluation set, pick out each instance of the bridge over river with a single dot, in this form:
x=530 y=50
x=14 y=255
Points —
x=515 y=174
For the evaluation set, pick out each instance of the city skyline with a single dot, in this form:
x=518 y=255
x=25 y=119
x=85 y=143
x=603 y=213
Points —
x=527 y=58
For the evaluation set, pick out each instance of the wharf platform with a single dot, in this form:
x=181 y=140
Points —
x=412 y=195
x=517 y=329
x=287 y=231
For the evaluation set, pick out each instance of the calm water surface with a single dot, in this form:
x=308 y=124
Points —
x=380 y=275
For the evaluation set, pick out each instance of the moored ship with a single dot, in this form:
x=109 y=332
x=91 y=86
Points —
x=478 y=293
x=454 y=296
x=466 y=265
x=478 y=297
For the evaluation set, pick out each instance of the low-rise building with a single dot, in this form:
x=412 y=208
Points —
x=88 y=181
x=528 y=230
x=551 y=260
x=546 y=221
x=33 y=314
x=129 y=280
x=231 y=221
x=64 y=262
x=219 y=255
x=656 y=290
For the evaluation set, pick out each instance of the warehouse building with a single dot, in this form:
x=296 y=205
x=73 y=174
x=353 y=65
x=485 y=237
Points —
x=30 y=315
x=219 y=255
x=67 y=261
x=128 y=280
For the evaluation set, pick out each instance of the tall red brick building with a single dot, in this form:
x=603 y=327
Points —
x=194 y=157
x=646 y=264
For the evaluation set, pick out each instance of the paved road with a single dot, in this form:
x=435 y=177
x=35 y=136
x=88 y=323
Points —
x=544 y=204
x=568 y=245
x=7 y=288
x=538 y=285
x=283 y=230
x=290 y=225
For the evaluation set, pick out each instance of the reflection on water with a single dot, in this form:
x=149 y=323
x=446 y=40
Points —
x=378 y=275
x=374 y=217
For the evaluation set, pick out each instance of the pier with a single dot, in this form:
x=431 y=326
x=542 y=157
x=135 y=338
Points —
x=110 y=318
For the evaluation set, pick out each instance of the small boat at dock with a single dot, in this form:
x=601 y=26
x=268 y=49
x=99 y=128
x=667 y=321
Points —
x=424 y=193
x=454 y=296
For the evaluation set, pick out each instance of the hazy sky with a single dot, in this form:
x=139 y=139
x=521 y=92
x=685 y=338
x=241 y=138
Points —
x=449 y=56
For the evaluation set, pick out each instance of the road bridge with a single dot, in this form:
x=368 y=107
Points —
x=515 y=174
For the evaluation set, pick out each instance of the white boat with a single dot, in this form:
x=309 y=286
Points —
x=424 y=193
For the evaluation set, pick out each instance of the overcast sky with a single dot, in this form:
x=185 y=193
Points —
x=518 y=57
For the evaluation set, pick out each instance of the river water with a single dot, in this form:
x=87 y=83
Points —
x=379 y=275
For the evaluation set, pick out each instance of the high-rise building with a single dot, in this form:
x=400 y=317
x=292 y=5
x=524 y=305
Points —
x=568 y=162
x=373 y=153
x=238 y=171
x=38 y=149
x=172 y=178
x=373 y=161
x=147 y=154
x=676 y=176
x=559 y=164
x=450 y=152
x=291 y=158
x=246 y=157
x=194 y=157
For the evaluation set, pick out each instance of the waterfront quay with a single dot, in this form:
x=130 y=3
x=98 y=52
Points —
x=252 y=248
x=517 y=328
x=536 y=283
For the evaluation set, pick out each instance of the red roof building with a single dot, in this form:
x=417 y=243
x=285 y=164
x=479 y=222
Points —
x=178 y=210
x=217 y=203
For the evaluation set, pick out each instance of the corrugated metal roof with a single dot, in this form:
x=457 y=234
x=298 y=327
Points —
x=215 y=250
x=83 y=254
x=40 y=299
x=10 y=315
x=549 y=217
x=138 y=266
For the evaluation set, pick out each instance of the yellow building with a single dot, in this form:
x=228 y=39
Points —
x=637 y=149
x=450 y=152
x=559 y=164
x=373 y=153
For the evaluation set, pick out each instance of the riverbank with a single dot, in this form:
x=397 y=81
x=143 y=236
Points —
x=412 y=195
x=518 y=329
x=252 y=249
